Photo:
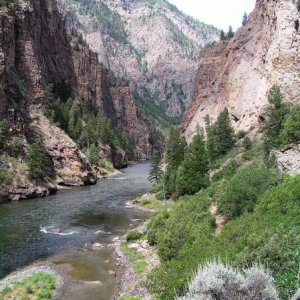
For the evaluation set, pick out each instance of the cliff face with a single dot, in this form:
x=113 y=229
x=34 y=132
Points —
x=151 y=43
x=36 y=50
x=239 y=73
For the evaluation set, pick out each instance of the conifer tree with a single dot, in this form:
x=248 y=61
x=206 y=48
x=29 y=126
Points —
x=222 y=35
x=276 y=114
x=192 y=174
x=230 y=33
x=174 y=157
x=156 y=172
x=224 y=133
x=93 y=155
x=74 y=124
x=3 y=128
x=245 y=19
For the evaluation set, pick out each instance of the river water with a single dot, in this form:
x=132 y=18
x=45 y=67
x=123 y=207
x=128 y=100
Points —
x=25 y=230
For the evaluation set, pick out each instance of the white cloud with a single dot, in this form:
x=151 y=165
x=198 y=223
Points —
x=220 y=13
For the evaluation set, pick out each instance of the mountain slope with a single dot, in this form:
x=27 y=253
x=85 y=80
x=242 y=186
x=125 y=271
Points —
x=238 y=73
x=37 y=52
x=151 y=43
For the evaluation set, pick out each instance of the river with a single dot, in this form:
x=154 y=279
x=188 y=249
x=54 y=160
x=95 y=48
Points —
x=25 y=229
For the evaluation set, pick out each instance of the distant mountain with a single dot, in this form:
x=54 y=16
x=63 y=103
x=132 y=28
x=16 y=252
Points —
x=151 y=43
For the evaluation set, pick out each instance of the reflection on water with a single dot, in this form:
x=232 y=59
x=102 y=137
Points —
x=61 y=228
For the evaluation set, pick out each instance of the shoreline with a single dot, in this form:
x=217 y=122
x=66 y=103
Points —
x=128 y=282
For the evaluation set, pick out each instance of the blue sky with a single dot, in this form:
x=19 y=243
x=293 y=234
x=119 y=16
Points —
x=220 y=13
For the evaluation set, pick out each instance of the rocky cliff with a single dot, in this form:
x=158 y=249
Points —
x=238 y=73
x=151 y=43
x=35 y=51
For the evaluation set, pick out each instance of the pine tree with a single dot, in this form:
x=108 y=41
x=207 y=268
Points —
x=74 y=124
x=192 y=174
x=276 y=114
x=210 y=139
x=230 y=33
x=222 y=35
x=156 y=172
x=36 y=160
x=93 y=155
x=3 y=129
x=291 y=129
x=224 y=133
x=245 y=19
x=174 y=157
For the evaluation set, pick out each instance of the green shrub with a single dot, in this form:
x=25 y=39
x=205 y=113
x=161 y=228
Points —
x=5 y=178
x=241 y=134
x=16 y=146
x=3 y=129
x=244 y=188
x=36 y=160
x=291 y=128
x=157 y=224
x=133 y=236
x=247 y=143
x=227 y=171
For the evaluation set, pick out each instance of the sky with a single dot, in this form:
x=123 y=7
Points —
x=220 y=13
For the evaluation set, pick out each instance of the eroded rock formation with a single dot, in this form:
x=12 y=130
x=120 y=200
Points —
x=238 y=73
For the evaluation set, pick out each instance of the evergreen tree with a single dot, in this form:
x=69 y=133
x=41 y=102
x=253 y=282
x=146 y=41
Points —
x=174 y=157
x=247 y=143
x=230 y=33
x=36 y=160
x=222 y=35
x=210 y=139
x=291 y=128
x=192 y=174
x=93 y=155
x=245 y=19
x=276 y=114
x=156 y=172
x=74 y=124
x=3 y=129
x=224 y=133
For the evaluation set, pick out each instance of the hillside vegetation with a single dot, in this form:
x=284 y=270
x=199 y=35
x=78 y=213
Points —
x=240 y=213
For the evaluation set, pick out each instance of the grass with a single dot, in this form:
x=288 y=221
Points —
x=39 y=286
x=130 y=298
x=137 y=259
x=151 y=202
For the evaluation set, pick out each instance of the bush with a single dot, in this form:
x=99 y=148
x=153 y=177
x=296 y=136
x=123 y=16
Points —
x=244 y=188
x=5 y=178
x=16 y=146
x=291 y=128
x=227 y=171
x=36 y=160
x=241 y=134
x=133 y=236
x=215 y=280
x=247 y=143
x=157 y=224
x=3 y=129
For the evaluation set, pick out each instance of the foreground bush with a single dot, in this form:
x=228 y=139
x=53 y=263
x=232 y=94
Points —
x=244 y=188
x=218 y=281
x=39 y=286
x=133 y=236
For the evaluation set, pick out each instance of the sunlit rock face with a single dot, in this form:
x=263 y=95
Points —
x=238 y=73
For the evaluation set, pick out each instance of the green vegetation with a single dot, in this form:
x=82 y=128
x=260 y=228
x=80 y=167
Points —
x=88 y=127
x=226 y=36
x=136 y=259
x=192 y=175
x=39 y=286
x=9 y=3
x=174 y=157
x=276 y=114
x=291 y=128
x=259 y=206
x=133 y=235
x=156 y=172
x=3 y=129
x=36 y=160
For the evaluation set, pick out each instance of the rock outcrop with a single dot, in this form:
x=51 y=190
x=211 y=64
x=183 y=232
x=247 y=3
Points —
x=288 y=159
x=238 y=73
